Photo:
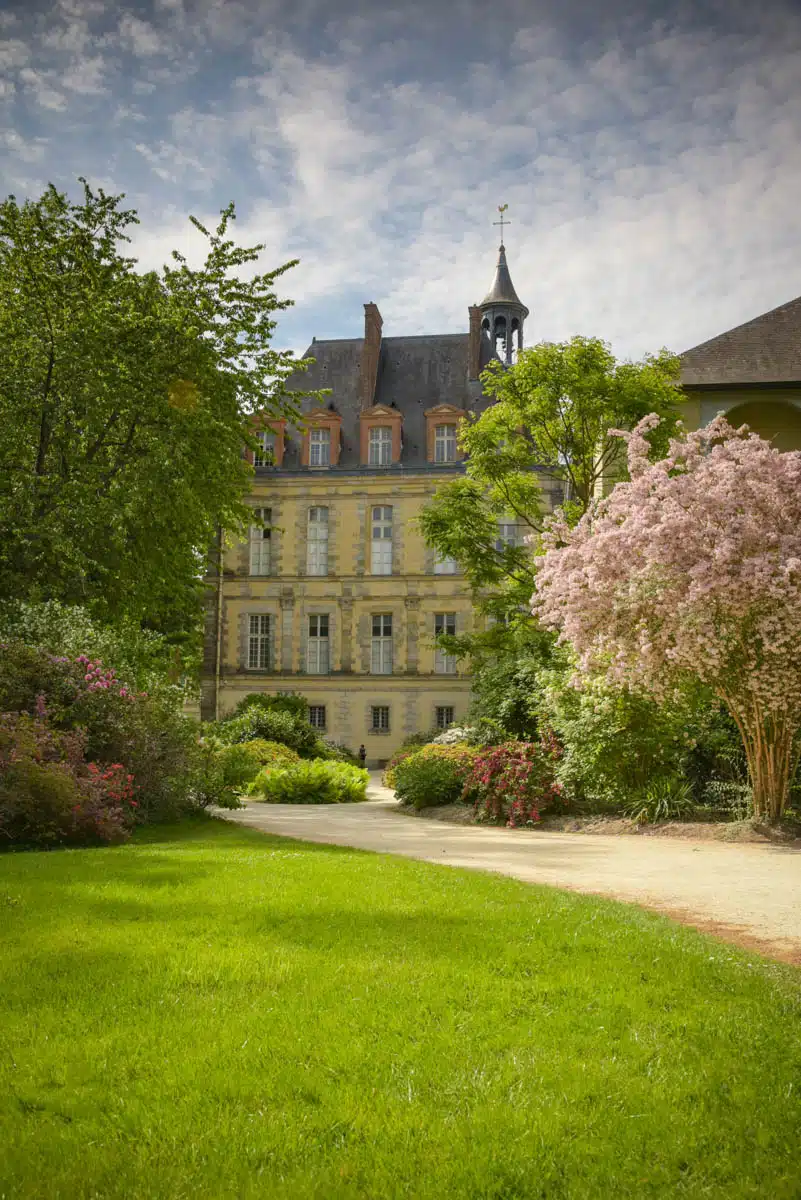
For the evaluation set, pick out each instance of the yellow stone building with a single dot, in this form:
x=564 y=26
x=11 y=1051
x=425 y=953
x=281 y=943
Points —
x=336 y=595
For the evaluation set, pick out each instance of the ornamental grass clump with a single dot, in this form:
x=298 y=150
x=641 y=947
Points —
x=311 y=782
x=692 y=572
x=513 y=784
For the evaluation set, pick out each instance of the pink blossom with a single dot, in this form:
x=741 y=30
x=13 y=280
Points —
x=691 y=570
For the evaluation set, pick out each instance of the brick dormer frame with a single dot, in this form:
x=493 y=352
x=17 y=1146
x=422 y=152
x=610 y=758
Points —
x=277 y=425
x=321 y=418
x=443 y=414
x=377 y=416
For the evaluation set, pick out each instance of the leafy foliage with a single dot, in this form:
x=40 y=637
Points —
x=550 y=418
x=314 y=782
x=124 y=404
x=286 y=702
x=270 y=724
x=433 y=775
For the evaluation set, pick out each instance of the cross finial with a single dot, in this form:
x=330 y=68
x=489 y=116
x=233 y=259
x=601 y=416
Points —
x=502 y=209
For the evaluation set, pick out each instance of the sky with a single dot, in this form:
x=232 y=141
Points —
x=649 y=153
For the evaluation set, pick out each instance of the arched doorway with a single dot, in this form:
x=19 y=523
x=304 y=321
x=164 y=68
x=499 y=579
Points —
x=773 y=420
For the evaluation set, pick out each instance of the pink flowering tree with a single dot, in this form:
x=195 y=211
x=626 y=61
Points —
x=692 y=570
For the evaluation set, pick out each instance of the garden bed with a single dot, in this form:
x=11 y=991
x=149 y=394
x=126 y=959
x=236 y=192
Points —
x=720 y=831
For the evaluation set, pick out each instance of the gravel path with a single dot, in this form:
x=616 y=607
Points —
x=749 y=894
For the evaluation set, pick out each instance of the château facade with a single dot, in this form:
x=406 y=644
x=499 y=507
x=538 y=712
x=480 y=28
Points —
x=336 y=594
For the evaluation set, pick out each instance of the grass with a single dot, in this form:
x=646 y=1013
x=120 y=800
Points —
x=210 y=1012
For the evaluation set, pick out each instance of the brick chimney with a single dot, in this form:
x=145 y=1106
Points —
x=371 y=350
x=474 y=343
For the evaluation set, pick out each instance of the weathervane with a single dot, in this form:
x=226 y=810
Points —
x=502 y=209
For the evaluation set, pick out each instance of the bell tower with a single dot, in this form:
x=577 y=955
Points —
x=502 y=313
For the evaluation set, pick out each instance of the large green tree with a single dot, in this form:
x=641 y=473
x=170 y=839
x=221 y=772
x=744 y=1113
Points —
x=547 y=427
x=124 y=402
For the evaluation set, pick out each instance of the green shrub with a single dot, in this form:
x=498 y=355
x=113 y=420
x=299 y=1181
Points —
x=258 y=721
x=615 y=741
x=667 y=798
x=285 y=702
x=333 y=752
x=241 y=762
x=433 y=775
x=311 y=782
x=408 y=746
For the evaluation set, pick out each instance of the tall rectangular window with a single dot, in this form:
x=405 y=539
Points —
x=379 y=448
x=260 y=542
x=319 y=447
x=259 y=642
x=444 y=716
x=381 y=540
x=444 y=623
x=510 y=533
x=379 y=718
x=317 y=716
x=317 y=655
x=445 y=443
x=381 y=659
x=317 y=542
x=444 y=565
x=264 y=454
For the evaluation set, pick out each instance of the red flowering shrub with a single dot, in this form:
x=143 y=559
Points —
x=514 y=783
x=49 y=794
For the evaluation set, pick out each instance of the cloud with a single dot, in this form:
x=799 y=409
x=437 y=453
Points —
x=649 y=156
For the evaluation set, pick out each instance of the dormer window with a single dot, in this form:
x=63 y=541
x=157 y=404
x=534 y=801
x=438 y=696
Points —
x=442 y=425
x=264 y=454
x=380 y=446
x=444 y=443
x=320 y=448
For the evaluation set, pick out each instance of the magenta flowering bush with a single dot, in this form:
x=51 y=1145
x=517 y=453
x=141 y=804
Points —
x=148 y=734
x=692 y=572
x=50 y=795
x=514 y=783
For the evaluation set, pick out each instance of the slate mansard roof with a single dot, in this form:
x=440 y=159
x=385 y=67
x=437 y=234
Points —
x=766 y=350
x=414 y=374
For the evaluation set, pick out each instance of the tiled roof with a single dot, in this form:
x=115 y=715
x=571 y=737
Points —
x=765 y=350
x=414 y=374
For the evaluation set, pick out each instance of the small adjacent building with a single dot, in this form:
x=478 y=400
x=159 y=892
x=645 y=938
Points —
x=752 y=374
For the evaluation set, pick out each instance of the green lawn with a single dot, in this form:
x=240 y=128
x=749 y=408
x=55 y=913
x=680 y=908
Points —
x=210 y=1012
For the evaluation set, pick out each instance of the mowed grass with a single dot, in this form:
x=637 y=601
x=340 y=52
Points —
x=210 y=1012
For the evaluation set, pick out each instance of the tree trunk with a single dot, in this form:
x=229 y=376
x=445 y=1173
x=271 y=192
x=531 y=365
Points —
x=769 y=743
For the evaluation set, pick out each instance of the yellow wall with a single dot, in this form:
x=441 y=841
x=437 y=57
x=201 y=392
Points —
x=350 y=595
